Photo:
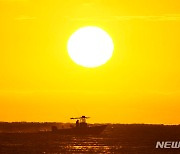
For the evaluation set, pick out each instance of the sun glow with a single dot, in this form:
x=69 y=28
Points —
x=90 y=47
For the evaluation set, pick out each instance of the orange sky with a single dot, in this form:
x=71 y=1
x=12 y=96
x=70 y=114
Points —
x=39 y=81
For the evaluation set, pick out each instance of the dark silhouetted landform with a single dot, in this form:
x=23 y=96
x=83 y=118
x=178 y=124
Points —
x=15 y=127
x=18 y=127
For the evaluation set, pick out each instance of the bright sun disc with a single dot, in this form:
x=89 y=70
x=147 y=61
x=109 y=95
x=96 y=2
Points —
x=90 y=46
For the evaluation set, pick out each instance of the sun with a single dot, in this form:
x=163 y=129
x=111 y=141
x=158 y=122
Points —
x=90 y=46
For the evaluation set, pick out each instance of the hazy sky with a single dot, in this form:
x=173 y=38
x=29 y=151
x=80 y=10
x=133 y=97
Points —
x=39 y=81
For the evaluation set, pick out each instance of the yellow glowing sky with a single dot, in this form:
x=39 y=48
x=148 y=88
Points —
x=139 y=84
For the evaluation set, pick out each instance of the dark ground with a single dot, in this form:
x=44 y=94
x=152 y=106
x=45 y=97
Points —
x=117 y=138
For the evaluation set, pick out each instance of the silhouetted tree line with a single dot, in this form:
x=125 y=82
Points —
x=27 y=126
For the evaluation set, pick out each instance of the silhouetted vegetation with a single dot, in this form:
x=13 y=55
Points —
x=13 y=127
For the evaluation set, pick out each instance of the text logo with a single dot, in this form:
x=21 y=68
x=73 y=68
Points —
x=168 y=144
